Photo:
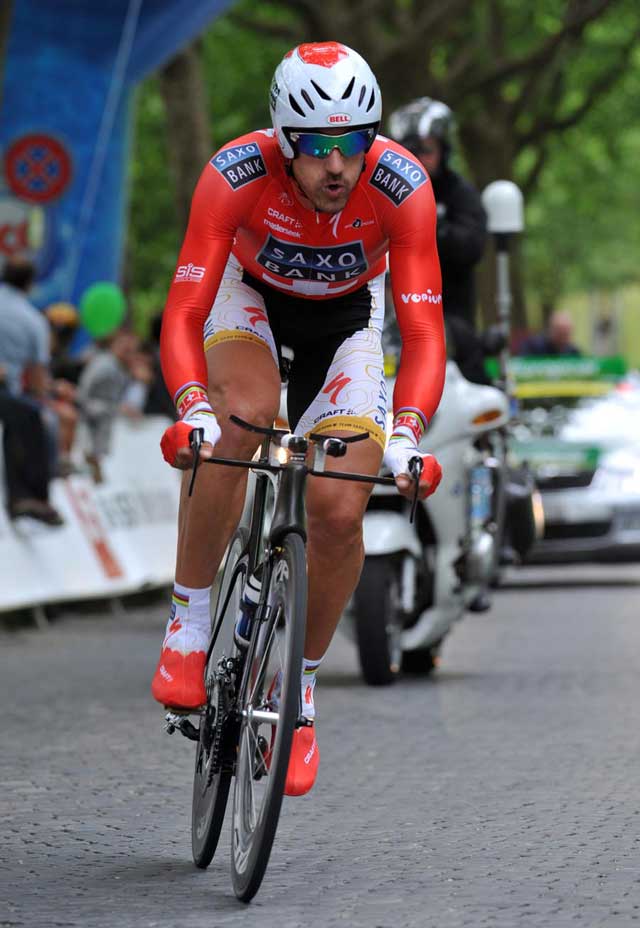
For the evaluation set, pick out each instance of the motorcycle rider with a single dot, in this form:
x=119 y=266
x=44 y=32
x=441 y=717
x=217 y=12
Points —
x=426 y=128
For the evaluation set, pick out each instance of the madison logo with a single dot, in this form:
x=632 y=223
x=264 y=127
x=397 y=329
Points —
x=240 y=165
x=288 y=259
x=396 y=177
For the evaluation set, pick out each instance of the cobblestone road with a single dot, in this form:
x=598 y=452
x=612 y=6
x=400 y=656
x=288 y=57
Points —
x=502 y=792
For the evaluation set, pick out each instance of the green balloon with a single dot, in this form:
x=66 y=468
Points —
x=102 y=308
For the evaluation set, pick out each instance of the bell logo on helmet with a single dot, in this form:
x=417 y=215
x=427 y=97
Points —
x=325 y=54
x=338 y=118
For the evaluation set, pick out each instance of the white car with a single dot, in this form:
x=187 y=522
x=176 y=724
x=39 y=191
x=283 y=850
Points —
x=581 y=439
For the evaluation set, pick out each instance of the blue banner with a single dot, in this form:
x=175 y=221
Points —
x=65 y=128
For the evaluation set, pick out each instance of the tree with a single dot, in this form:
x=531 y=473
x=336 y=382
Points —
x=534 y=86
x=184 y=94
x=517 y=75
x=237 y=67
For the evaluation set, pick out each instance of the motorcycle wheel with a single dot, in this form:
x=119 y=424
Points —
x=379 y=620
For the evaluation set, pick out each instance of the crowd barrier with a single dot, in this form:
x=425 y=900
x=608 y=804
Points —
x=119 y=536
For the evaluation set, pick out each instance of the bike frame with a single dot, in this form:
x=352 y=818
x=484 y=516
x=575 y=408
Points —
x=289 y=483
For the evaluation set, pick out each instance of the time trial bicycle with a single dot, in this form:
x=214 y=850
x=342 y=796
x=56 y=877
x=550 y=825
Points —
x=253 y=692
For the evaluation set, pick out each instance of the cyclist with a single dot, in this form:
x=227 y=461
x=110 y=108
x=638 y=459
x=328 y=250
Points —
x=286 y=245
x=426 y=128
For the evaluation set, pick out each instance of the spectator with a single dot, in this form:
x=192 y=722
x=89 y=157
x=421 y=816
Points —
x=555 y=341
x=426 y=128
x=24 y=332
x=24 y=347
x=63 y=322
x=26 y=470
x=103 y=386
x=158 y=401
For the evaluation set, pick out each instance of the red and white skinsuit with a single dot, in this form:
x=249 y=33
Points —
x=246 y=207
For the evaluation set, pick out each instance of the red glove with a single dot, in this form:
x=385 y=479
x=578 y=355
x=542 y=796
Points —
x=195 y=413
x=397 y=456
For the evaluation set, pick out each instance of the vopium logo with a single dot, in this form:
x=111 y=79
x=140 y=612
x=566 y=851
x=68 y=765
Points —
x=396 y=176
x=301 y=262
x=240 y=165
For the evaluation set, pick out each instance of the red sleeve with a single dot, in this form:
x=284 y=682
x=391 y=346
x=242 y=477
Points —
x=214 y=218
x=417 y=297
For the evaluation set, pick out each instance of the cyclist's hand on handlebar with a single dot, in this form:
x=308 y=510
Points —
x=397 y=458
x=175 y=445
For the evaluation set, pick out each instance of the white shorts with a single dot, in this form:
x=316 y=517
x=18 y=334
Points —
x=336 y=378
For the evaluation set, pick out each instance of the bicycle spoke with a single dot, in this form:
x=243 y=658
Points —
x=265 y=658
x=250 y=783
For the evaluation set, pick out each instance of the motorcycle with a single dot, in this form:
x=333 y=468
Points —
x=419 y=579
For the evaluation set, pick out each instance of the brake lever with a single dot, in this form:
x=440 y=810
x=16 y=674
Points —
x=195 y=440
x=415 y=469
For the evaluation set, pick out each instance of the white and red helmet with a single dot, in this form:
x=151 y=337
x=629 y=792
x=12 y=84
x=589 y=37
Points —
x=320 y=86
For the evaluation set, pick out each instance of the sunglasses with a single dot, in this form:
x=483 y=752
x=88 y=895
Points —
x=320 y=145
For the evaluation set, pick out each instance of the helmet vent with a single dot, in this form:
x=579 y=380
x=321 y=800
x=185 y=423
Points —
x=347 y=93
x=372 y=99
x=307 y=99
x=320 y=91
x=363 y=90
x=295 y=105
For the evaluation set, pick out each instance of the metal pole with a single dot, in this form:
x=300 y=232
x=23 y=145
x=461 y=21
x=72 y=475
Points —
x=503 y=303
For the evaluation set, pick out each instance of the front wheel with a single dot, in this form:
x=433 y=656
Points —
x=269 y=709
x=379 y=620
x=216 y=749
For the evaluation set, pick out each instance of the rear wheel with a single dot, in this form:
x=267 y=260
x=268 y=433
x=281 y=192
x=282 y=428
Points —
x=269 y=706
x=216 y=748
x=379 y=620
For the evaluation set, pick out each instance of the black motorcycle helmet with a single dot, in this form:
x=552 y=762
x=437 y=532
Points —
x=414 y=122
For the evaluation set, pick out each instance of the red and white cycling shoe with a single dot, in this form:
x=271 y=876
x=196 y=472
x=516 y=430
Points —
x=304 y=759
x=178 y=682
x=303 y=762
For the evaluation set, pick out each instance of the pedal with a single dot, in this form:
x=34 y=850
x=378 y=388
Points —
x=176 y=720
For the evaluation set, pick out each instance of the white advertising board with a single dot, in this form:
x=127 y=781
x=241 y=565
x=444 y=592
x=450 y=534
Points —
x=119 y=536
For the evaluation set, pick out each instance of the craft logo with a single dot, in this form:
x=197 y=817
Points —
x=240 y=165
x=301 y=262
x=396 y=176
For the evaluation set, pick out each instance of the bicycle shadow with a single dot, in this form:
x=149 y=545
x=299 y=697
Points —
x=162 y=878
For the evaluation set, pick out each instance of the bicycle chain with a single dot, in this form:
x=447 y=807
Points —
x=227 y=667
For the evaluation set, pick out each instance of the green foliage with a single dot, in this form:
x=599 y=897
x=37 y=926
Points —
x=583 y=219
x=152 y=242
x=582 y=213
x=238 y=67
